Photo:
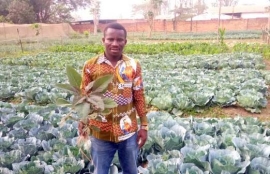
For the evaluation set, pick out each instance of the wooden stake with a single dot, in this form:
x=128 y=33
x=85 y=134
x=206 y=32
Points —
x=20 y=39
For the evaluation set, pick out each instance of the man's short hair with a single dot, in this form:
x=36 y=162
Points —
x=116 y=26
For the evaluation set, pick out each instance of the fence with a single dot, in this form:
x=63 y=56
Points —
x=181 y=26
x=15 y=31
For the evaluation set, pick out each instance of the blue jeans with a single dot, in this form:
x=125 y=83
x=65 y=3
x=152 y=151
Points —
x=102 y=153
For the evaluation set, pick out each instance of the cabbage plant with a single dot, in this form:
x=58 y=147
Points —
x=259 y=165
x=225 y=160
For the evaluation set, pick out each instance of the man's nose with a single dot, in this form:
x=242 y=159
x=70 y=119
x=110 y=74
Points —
x=114 y=42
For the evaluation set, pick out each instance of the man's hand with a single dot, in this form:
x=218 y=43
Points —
x=142 y=137
x=81 y=128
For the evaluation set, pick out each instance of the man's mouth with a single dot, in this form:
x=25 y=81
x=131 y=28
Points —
x=115 y=49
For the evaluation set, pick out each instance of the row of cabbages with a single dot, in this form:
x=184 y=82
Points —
x=31 y=140
x=195 y=82
x=187 y=82
x=216 y=146
x=188 y=89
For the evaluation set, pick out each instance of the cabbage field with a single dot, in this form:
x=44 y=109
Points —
x=31 y=140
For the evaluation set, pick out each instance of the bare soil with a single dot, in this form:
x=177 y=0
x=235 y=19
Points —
x=239 y=111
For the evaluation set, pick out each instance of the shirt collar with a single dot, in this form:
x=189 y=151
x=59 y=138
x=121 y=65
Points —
x=102 y=59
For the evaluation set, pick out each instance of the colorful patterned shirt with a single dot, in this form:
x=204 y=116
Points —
x=126 y=89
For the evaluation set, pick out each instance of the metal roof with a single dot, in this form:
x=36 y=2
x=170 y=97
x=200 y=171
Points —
x=239 y=9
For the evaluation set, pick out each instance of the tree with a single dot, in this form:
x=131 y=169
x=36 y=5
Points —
x=150 y=19
x=37 y=28
x=60 y=14
x=42 y=11
x=20 y=12
x=156 y=6
x=186 y=9
x=226 y=3
x=165 y=9
x=183 y=8
x=149 y=10
x=141 y=8
x=200 y=7
x=4 y=7
x=95 y=10
x=48 y=11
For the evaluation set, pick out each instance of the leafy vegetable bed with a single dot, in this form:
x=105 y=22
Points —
x=187 y=82
x=219 y=146
x=31 y=140
x=204 y=36
x=195 y=82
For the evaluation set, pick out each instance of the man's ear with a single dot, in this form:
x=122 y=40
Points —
x=103 y=39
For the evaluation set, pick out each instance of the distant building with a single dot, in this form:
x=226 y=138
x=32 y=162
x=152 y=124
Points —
x=233 y=12
x=135 y=18
x=106 y=21
x=165 y=17
x=243 y=11
x=91 y=21
x=207 y=16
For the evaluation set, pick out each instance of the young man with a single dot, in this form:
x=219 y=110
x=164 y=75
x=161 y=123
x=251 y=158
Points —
x=119 y=131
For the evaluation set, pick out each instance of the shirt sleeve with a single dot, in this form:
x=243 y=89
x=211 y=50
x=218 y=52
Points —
x=138 y=95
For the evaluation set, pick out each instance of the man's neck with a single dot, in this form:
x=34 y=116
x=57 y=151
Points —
x=113 y=60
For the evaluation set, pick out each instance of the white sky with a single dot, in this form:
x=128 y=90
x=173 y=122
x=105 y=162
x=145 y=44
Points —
x=112 y=9
x=122 y=9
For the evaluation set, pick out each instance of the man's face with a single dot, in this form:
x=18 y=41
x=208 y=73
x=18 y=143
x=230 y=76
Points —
x=114 y=41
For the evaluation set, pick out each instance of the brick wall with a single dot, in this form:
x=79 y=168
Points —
x=183 y=26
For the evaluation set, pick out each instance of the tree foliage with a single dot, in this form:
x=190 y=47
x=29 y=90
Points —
x=4 y=7
x=41 y=11
x=95 y=11
x=226 y=2
x=229 y=2
x=183 y=9
x=152 y=7
x=200 y=7
x=20 y=12
x=149 y=10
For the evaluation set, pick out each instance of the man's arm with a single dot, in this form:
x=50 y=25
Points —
x=140 y=105
x=138 y=95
